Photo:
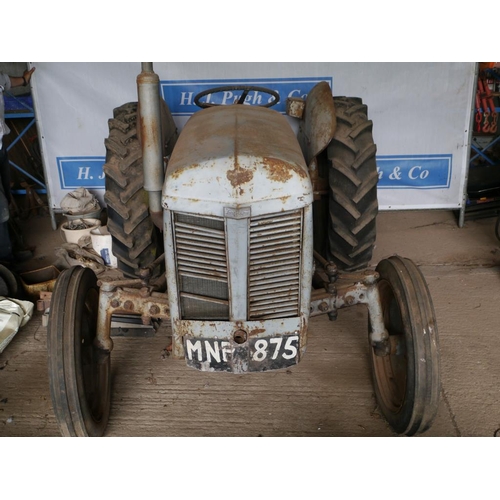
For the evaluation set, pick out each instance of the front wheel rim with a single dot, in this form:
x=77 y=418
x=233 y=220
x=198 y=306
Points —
x=391 y=371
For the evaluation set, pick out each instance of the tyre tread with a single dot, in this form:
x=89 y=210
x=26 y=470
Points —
x=353 y=179
x=134 y=237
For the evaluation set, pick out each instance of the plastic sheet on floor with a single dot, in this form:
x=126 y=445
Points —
x=13 y=315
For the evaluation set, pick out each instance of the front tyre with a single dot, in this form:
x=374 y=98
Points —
x=79 y=372
x=407 y=380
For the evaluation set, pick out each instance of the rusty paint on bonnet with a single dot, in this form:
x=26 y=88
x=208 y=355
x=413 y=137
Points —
x=244 y=131
x=281 y=171
x=277 y=170
x=239 y=176
x=253 y=155
x=178 y=172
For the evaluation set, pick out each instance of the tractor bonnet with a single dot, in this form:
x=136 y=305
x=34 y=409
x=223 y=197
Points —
x=252 y=154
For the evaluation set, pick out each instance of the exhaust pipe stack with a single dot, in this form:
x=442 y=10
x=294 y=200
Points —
x=151 y=139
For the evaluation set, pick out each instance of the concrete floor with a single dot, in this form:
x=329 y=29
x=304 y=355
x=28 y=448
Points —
x=330 y=392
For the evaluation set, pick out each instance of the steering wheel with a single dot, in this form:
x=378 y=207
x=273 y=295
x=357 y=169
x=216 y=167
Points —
x=246 y=89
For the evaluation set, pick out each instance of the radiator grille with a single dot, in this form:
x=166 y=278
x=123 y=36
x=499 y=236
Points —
x=200 y=244
x=274 y=266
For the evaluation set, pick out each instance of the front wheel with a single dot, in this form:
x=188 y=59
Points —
x=79 y=372
x=407 y=381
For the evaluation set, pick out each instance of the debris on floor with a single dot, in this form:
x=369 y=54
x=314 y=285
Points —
x=43 y=303
x=13 y=315
x=72 y=254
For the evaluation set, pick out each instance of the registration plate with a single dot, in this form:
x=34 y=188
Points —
x=255 y=355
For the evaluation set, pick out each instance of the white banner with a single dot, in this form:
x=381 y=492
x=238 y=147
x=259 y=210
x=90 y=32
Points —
x=420 y=111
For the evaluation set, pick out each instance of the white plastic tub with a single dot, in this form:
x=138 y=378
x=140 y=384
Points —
x=101 y=242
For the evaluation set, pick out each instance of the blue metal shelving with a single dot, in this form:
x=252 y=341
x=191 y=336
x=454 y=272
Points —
x=17 y=107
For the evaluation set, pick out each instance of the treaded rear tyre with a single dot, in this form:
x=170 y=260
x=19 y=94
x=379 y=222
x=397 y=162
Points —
x=353 y=181
x=135 y=237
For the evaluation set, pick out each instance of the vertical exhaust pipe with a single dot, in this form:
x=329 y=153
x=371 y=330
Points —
x=151 y=139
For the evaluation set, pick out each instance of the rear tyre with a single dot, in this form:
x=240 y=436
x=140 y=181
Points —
x=4 y=289
x=136 y=240
x=407 y=380
x=353 y=181
x=11 y=283
x=79 y=372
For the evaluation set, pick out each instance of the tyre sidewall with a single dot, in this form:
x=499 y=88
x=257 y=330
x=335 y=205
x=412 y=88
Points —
x=402 y=420
x=64 y=352
x=86 y=423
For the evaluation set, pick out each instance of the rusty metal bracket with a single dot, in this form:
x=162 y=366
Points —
x=352 y=289
x=330 y=272
x=116 y=298
x=147 y=272
x=320 y=185
x=143 y=282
